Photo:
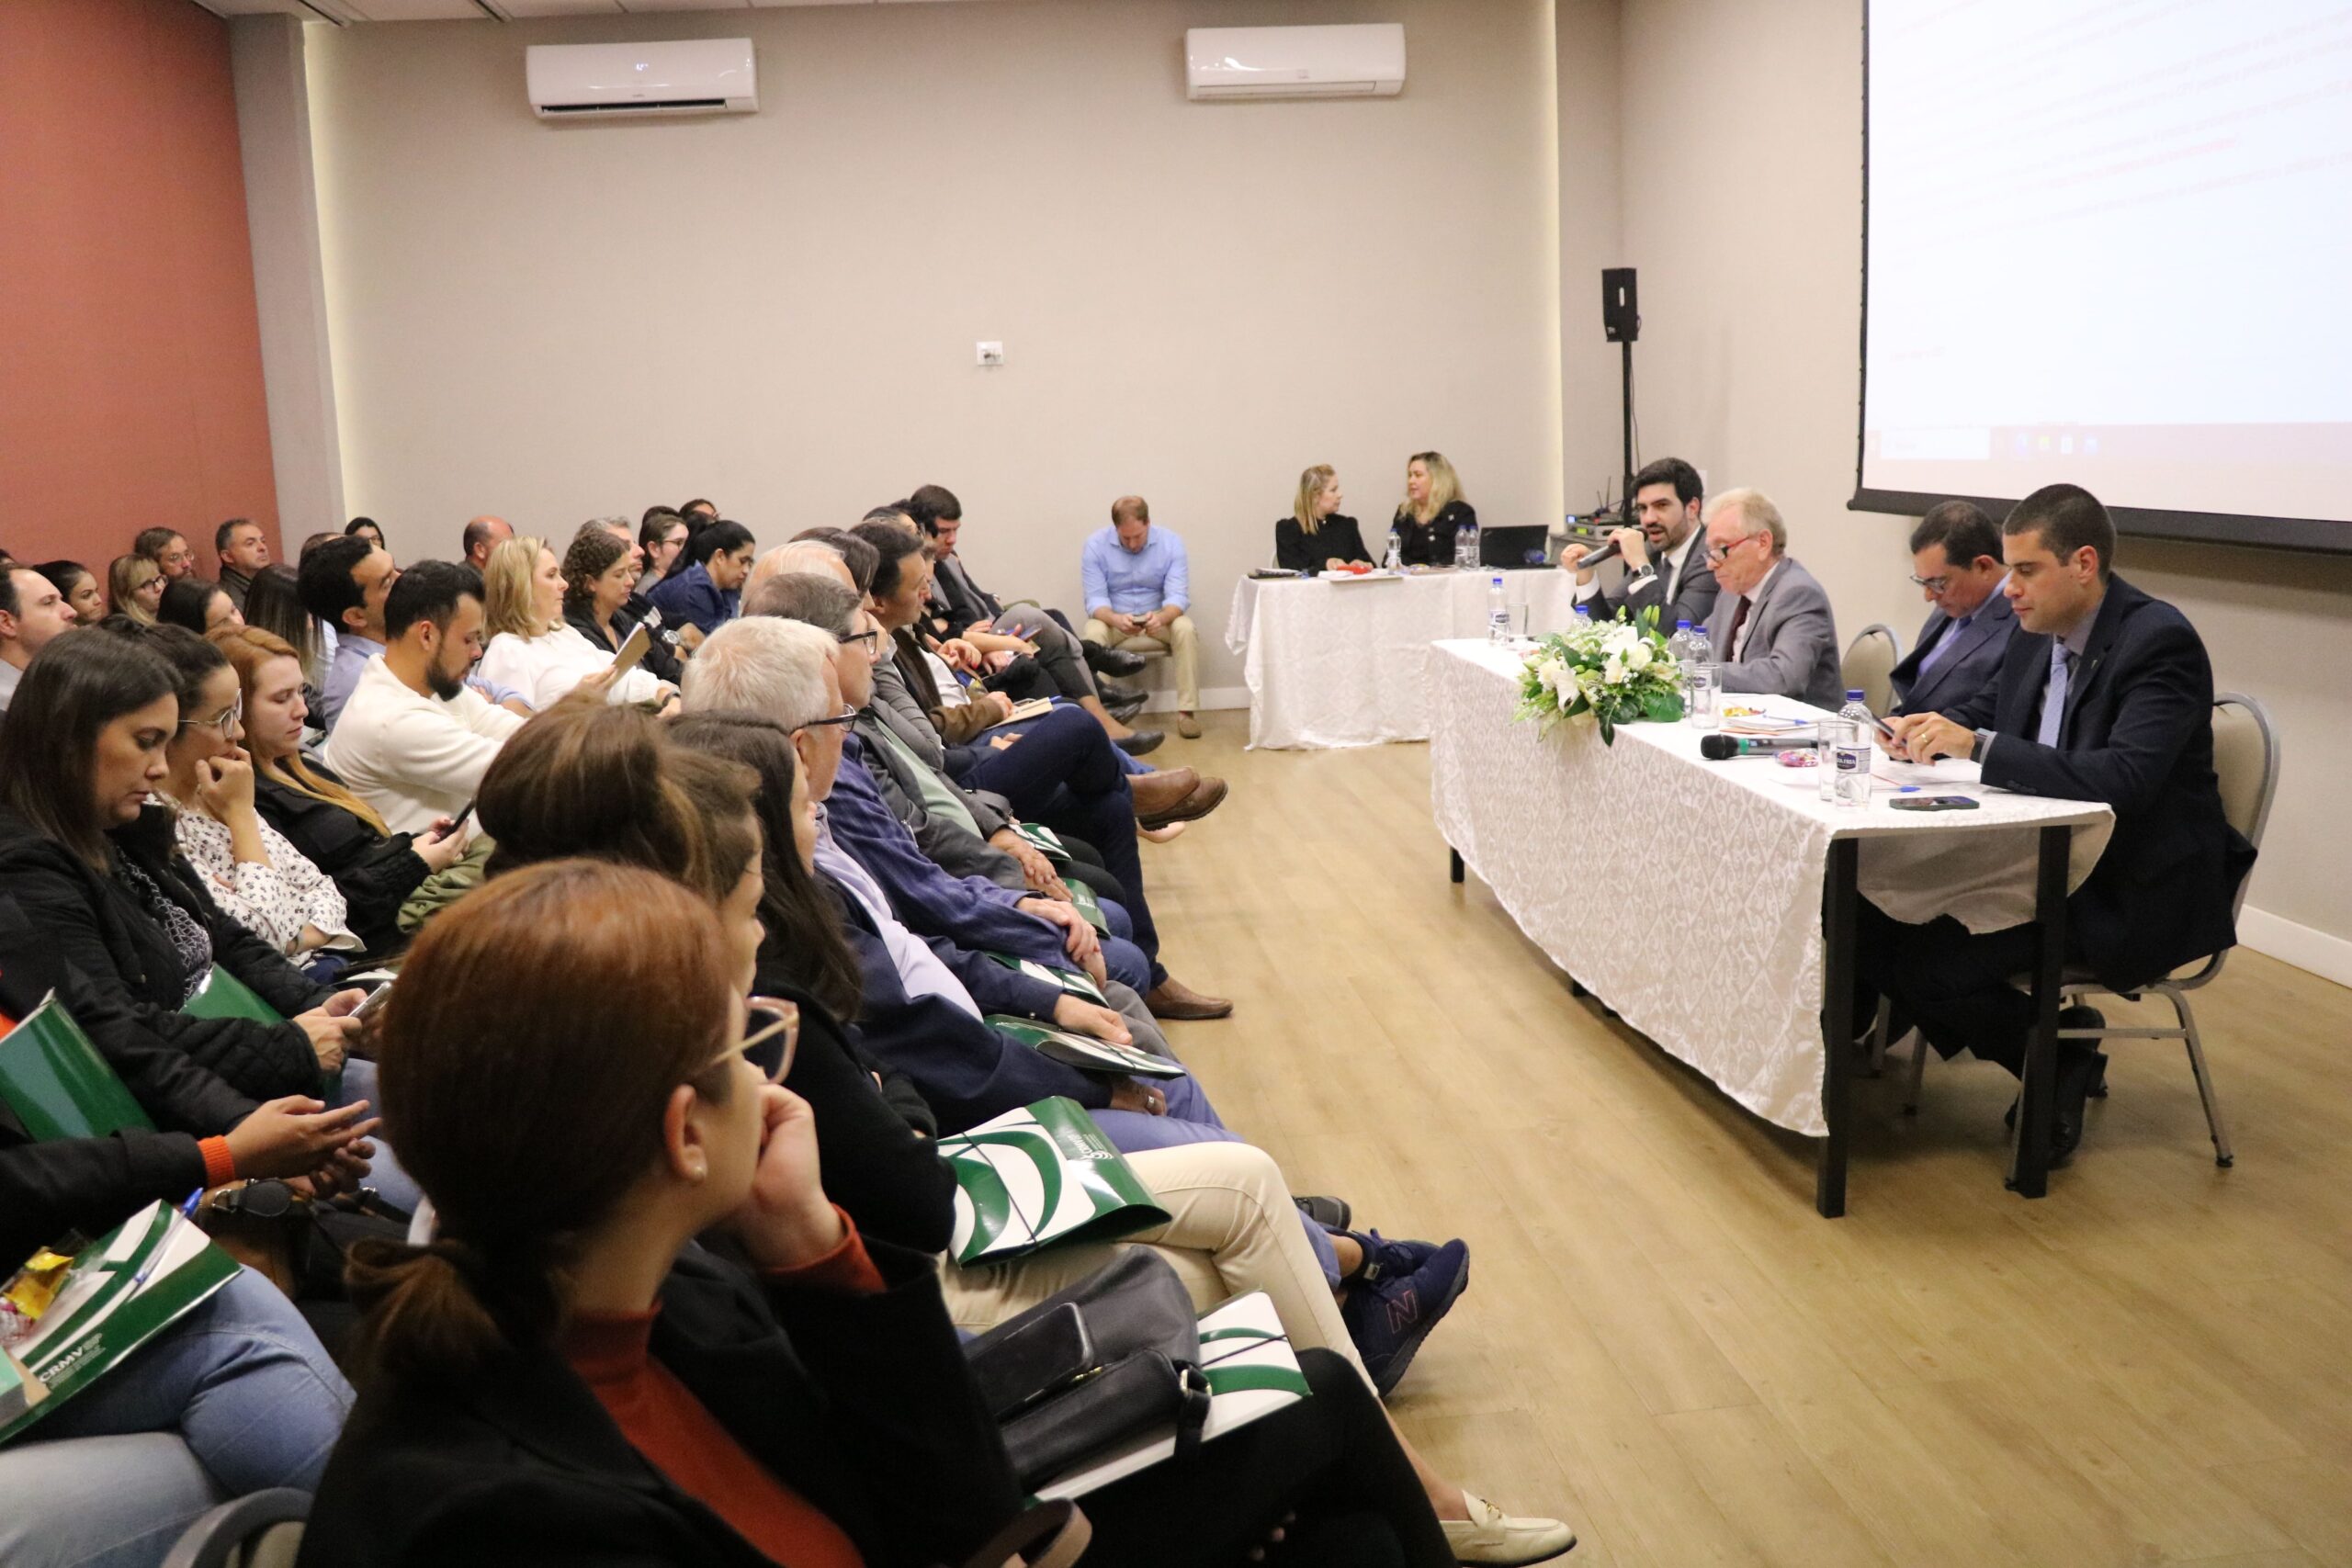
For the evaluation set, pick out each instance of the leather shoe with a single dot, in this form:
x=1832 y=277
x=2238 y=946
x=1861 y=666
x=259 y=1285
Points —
x=1113 y=660
x=1139 y=742
x=2075 y=1071
x=1205 y=797
x=1173 y=1000
x=2074 y=1018
x=1489 y=1535
x=1188 y=726
x=1126 y=705
x=1162 y=791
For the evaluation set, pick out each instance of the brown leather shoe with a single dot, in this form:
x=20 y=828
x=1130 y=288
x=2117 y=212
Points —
x=1173 y=999
x=1205 y=797
x=1188 y=726
x=1162 y=791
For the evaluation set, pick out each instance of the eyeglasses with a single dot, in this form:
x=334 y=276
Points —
x=223 y=721
x=871 y=638
x=1718 y=554
x=767 y=1018
x=844 y=716
x=1932 y=584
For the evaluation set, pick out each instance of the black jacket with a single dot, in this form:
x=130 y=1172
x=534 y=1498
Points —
x=1338 y=538
x=861 y=1404
x=2138 y=734
x=1431 y=543
x=375 y=874
x=661 y=654
x=98 y=926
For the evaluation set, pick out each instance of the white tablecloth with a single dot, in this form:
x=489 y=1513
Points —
x=1687 y=894
x=1333 y=663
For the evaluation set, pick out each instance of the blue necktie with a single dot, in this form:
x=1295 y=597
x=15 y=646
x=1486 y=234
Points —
x=1934 y=656
x=2053 y=695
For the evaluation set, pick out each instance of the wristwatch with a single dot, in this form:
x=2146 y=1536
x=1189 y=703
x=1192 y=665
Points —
x=270 y=1198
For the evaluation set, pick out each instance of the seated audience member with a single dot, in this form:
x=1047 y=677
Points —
x=2105 y=694
x=33 y=611
x=1317 y=536
x=1772 y=630
x=365 y=528
x=377 y=870
x=247 y=867
x=532 y=648
x=1139 y=586
x=1956 y=561
x=1666 y=559
x=167 y=549
x=704 y=594
x=85 y=595
x=902 y=573
x=415 y=739
x=273 y=605
x=660 y=535
x=1431 y=512
x=601 y=600
x=134 y=587
x=699 y=511
x=243 y=550
x=481 y=535
x=94 y=868
x=344 y=583
x=197 y=605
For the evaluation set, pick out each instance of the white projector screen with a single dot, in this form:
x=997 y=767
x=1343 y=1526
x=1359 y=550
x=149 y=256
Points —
x=2110 y=241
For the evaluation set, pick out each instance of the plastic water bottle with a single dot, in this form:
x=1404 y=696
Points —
x=1583 y=613
x=1394 y=559
x=1701 y=675
x=1677 y=647
x=1858 y=708
x=1497 y=610
x=1465 y=545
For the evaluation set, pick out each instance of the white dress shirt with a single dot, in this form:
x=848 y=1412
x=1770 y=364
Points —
x=545 y=668
x=414 y=758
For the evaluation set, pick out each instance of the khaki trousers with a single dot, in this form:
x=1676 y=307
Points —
x=1182 y=647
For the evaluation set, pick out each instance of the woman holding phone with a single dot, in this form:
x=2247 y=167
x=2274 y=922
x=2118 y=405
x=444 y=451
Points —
x=532 y=649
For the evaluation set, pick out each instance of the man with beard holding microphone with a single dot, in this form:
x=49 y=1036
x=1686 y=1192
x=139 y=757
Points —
x=1666 y=567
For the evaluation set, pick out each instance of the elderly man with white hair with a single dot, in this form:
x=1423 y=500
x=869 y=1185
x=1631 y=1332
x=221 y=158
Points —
x=1771 y=630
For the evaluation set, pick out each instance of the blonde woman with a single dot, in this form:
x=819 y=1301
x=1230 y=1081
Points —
x=532 y=648
x=134 y=587
x=1432 y=510
x=1317 y=536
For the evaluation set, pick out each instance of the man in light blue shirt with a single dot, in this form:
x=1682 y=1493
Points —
x=1138 y=587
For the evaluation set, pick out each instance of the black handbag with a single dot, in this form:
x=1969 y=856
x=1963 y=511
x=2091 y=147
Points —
x=1142 y=1369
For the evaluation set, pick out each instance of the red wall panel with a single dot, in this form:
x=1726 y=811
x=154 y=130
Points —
x=130 y=379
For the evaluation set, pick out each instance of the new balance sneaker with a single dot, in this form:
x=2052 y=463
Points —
x=1398 y=1298
x=1491 y=1536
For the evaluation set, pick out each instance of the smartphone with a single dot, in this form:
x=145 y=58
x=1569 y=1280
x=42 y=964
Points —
x=373 y=1000
x=1034 y=1362
x=457 y=823
x=1932 y=803
x=633 y=650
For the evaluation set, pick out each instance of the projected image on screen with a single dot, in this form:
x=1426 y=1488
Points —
x=2110 y=241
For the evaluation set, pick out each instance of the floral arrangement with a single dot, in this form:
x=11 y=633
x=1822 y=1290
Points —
x=1616 y=670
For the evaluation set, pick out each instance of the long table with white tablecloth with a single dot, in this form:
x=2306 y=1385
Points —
x=1689 y=895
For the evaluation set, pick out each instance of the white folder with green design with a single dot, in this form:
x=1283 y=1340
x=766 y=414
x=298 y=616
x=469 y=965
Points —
x=1073 y=982
x=1084 y=1052
x=1039 y=1176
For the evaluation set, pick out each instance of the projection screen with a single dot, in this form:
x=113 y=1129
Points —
x=2110 y=241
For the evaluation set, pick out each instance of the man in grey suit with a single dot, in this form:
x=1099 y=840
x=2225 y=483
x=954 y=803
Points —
x=1956 y=561
x=1665 y=563
x=1771 y=630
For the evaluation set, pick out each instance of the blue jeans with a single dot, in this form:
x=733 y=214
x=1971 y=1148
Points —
x=246 y=1387
x=391 y=1182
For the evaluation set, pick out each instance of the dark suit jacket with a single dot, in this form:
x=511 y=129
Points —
x=1695 y=596
x=2138 y=734
x=1338 y=538
x=861 y=1404
x=1973 y=664
x=1791 y=646
x=1431 y=543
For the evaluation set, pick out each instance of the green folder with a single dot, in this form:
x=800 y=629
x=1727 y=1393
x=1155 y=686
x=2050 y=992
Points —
x=1038 y=1177
x=1075 y=982
x=56 y=1082
x=1083 y=1051
x=1045 y=841
x=222 y=995
x=1082 y=898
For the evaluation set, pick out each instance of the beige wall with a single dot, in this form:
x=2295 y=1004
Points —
x=1742 y=186
x=779 y=310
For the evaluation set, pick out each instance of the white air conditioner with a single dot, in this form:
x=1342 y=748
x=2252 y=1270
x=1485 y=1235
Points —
x=1359 y=61
x=588 y=81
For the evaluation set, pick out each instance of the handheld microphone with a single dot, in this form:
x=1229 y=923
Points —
x=1606 y=552
x=1723 y=747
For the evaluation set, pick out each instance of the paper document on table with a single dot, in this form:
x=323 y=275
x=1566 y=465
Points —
x=1949 y=771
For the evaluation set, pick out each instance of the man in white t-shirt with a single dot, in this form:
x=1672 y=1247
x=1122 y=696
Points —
x=415 y=739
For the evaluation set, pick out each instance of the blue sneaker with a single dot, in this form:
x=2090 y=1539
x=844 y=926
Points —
x=1392 y=1307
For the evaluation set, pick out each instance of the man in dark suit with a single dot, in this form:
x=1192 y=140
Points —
x=1665 y=560
x=2105 y=694
x=1771 y=631
x=1956 y=561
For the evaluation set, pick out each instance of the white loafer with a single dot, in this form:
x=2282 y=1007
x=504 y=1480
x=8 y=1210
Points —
x=1491 y=1536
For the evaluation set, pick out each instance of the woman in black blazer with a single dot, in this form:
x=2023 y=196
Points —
x=1432 y=511
x=1317 y=536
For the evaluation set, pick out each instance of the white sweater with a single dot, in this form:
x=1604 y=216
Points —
x=545 y=668
x=414 y=758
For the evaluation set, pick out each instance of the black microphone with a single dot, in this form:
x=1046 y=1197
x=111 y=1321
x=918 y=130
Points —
x=1723 y=747
x=1606 y=552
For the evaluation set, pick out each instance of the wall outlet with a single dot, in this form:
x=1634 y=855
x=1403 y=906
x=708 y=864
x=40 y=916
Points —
x=989 y=356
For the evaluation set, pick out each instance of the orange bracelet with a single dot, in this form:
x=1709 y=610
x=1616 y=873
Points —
x=220 y=1166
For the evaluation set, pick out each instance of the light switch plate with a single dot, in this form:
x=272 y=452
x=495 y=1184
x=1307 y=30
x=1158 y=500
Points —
x=990 y=356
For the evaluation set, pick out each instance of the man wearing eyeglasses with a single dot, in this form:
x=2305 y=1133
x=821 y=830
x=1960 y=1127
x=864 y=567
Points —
x=1956 y=562
x=1771 y=630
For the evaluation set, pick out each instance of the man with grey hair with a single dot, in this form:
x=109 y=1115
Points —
x=1772 y=630
x=806 y=555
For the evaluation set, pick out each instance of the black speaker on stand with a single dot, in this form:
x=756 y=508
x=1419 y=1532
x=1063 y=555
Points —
x=1621 y=317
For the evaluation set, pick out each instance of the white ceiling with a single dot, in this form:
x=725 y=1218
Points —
x=347 y=11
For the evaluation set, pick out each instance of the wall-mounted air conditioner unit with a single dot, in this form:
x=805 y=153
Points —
x=591 y=81
x=1362 y=61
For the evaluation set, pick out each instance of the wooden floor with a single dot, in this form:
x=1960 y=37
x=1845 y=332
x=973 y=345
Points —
x=1663 y=1342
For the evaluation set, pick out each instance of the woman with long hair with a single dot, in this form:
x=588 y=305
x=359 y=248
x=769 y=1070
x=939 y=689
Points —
x=600 y=587
x=661 y=535
x=78 y=585
x=377 y=870
x=365 y=528
x=1317 y=536
x=531 y=649
x=195 y=606
x=1431 y=510
x=273 y=605
x=134 y=587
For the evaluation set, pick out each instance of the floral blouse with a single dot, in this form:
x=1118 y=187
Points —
x=273 y=901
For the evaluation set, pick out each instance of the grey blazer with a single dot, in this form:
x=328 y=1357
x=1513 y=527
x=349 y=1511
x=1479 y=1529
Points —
x=1695 y=596
x=1972 y=665
x=1791 y=640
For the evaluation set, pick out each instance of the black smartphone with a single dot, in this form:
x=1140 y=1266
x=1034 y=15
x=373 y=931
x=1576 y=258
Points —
x=1932 y=803
x=1035 y=1361
x=457 y=823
